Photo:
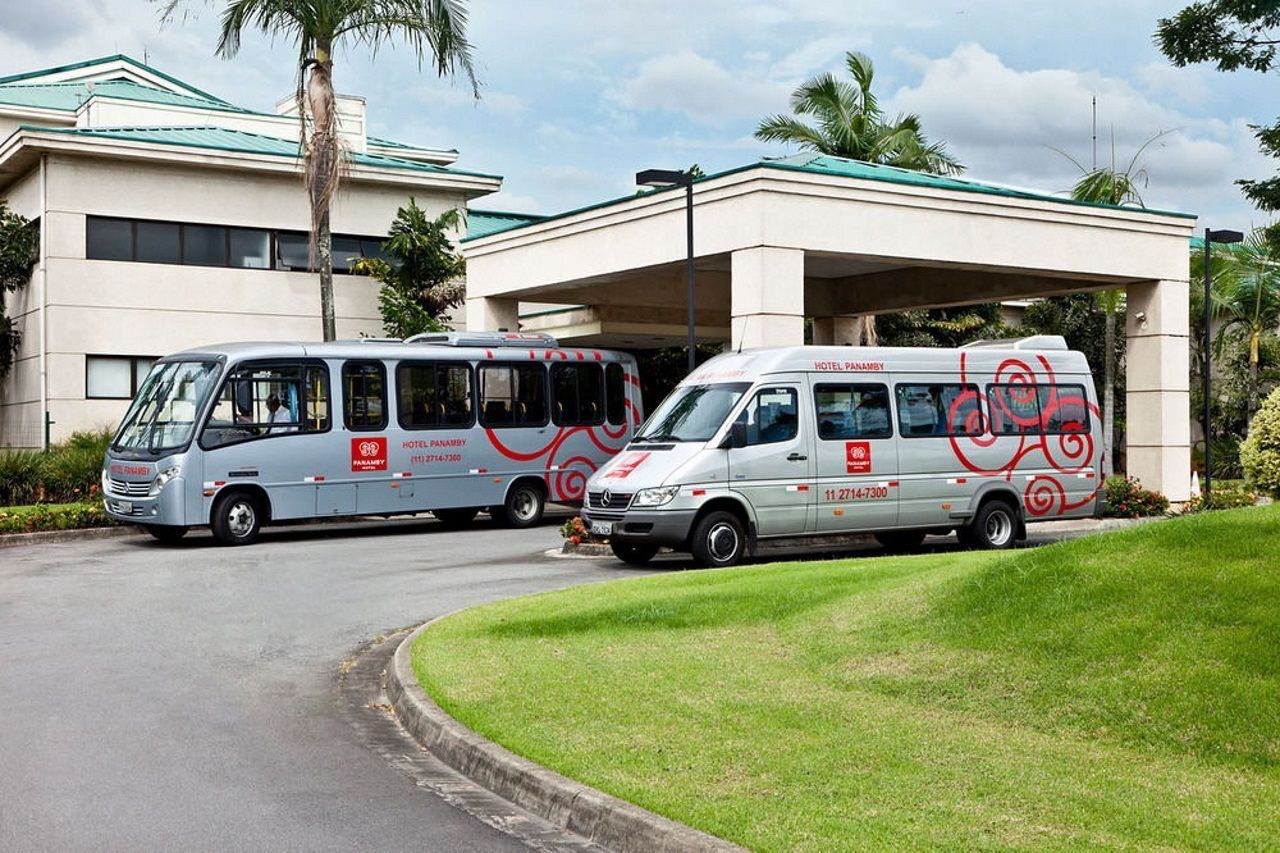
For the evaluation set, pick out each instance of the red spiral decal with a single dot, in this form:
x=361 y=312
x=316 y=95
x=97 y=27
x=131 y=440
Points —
x=1042 y=494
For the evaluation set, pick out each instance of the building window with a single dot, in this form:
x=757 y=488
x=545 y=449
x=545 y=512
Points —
x=852 y=411
x=115 y=377
x=259 y=401
x=615 y=393
x=939 y=410
x=513 y=395
x=364 y=395
x=145 y=241
x=434 y=394
x=577 y=394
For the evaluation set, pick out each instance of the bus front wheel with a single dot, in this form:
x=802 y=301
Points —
x=523 y=507
x=236 y=519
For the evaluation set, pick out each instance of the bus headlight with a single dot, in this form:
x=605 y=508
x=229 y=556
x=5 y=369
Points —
x=655 y=497
x=162 y=480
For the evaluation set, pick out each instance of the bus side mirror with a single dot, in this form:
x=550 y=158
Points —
x=737 y=436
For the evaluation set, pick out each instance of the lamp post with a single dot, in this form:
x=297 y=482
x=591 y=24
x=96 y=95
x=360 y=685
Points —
x=1210 y=236
x=673 y=178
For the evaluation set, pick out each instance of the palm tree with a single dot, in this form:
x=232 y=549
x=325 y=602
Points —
x=1117 y=187
x=850 y=123
x=434 y=29
x=1244 y=298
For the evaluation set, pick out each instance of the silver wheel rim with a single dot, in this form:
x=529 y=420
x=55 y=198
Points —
x=524 y=504
x=722 y=541
x=240 y=519
x=999 y=528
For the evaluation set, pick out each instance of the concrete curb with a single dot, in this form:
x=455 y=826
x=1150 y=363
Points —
x=594 y=815
x=47 y=537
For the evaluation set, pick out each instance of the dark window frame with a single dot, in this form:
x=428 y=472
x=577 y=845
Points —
x=257 y=364
x=984 y=421
x=346 y=409
x=888 y=396
x=514 y=365
x=576 y=366
x=133 y=372
x=473 y=391
x=1088 y=420
x=273 y=235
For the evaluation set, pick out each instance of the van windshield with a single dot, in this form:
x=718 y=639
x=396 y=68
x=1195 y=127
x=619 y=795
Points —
x=693 y=412
x=163 y=415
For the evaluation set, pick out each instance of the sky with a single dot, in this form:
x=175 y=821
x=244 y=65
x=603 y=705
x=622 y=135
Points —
x=578 y=95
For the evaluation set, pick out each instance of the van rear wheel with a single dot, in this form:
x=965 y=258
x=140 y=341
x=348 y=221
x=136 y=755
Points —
x=901 y=540
x=718 y=540
x=523 y=507
x=166 y=533
x=994 y=528
x=236 y=519
x=633 y=554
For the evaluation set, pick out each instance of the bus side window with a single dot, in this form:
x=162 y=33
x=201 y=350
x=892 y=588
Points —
x=577 y=394
x=364 y=395
x=259 y=401
x=615 y=393
x=513 y=395
x=433 y=394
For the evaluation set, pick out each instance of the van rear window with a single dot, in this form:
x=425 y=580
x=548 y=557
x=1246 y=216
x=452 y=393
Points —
x=939 y=410
x=853 y=411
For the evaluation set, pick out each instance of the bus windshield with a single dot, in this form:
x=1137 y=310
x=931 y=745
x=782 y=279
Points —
x=693 y=412
x=163 y=415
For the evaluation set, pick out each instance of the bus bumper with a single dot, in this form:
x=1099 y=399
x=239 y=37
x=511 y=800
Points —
x=669 y=528
x=165 y=508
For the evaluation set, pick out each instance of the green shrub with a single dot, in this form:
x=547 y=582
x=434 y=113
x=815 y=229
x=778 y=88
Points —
x=1260 y=452
x=1126 y=498
x=68 y=472
x=35 y=519
x=21 y=475
x=1228 y=496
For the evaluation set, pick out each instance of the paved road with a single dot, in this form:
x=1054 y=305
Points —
x=183 y=698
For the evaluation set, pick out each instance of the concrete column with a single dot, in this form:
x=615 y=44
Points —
x=492 y=314
x=837 y=331
x=1158 y=405
x=767 y=297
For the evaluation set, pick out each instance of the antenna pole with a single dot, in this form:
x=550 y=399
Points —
x=1095 y=133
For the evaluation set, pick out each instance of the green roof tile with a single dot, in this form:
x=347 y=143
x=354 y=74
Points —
x=481 y=223
x=103 y=60
x=69 y=96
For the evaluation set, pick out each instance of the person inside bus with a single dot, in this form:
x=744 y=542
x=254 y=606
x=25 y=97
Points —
x=278 y=414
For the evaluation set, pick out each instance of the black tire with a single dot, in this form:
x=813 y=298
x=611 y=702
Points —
x=456 y=518
x=525 y=503
x=901 y=540
x=718 y=540
x=994 y=528
x=236 y=519
x=632 y=553
x=166 y=533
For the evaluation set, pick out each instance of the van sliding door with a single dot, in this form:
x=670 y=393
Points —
x=857 y=457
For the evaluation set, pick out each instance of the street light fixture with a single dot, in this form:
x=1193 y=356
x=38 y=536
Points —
x=673 y=178
x=1224 y=237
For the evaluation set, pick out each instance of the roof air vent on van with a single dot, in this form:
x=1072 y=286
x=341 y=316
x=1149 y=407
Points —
x=1033 y=342
x=484 y=339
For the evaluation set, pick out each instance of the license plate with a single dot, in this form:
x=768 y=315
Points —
x=602 y=528
x=122 y=507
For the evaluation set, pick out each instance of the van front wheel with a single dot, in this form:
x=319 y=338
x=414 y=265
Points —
x=995 y=527
x=718 y=540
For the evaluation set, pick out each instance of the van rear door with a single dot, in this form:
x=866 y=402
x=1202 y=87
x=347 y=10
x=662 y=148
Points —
x=774 y=471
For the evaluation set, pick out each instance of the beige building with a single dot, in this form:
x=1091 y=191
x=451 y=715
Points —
x=779 y=241
x=171 y=218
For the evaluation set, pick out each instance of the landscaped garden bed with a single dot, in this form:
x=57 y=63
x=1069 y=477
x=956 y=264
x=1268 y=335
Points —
x=1116 y=690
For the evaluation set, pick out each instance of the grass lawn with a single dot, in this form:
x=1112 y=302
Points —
x=30 y=509
x=1121 y=690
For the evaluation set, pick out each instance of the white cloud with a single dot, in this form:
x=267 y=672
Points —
x=704 y=91
x=1162 y=80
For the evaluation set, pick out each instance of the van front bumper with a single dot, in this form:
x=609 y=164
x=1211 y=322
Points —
x=669 y=528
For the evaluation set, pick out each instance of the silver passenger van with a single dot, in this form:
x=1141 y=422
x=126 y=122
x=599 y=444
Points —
x=240 y=435
x=896 y=442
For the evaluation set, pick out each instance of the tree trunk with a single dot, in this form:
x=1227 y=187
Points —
x=1253 y=382
x=324 y=258
x=323 y=154
x=1108 y=393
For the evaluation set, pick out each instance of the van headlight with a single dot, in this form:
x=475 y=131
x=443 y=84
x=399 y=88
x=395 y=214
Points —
x=655 y=497
x=162 y=479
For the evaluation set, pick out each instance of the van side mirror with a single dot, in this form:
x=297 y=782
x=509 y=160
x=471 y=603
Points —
x=737 y=436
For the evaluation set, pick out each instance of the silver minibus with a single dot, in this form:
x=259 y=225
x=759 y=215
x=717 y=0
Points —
x=824 y=441
x=241 y=435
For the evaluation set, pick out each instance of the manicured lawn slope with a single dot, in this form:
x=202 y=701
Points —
x=1116 y=690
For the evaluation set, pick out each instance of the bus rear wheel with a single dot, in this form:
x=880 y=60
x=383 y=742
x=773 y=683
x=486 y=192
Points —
x=458 y=517
x=166 y=533
x=236 y=519
x=632 y=553
x=523 y=507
